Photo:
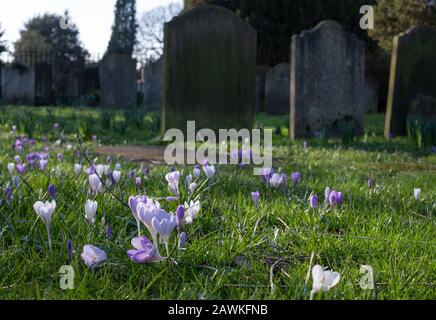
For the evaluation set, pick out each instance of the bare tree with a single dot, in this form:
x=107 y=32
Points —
x=151 y=31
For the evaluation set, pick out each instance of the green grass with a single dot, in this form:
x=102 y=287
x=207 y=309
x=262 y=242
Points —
x=233 y=244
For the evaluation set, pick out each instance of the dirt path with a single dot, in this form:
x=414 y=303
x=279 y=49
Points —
x=148 y=154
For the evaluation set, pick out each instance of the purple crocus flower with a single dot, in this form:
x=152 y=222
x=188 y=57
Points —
x=313 y=201
x=144 y=252
x=370 y=183
x=21 y=168
x=16 y=181
x=146 y=171
x=296 y=177
x=255 y=197
x=94 y=138
x=70 y=250
x=335 y=198
x=52 y=191
x=180 y=214
x=132 y=174
x=266 y=174
x=56 y=125
x=93 y=256
x=133 y=204
x=60 y=157
x=138 y=182
x=42 y=164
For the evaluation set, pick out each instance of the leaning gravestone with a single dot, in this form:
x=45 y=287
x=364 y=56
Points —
x=277 y=89
x=153 y=73
x=17 y=85
x=413 y=73
x=117 y=81
x=327 y=81
x=209 y=70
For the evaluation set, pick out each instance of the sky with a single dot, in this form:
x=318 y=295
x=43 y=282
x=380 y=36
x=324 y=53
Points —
x=94 y=18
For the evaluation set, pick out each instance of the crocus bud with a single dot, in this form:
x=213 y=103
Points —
x=52 y=191
x=192 y=187
x=296 y=177
x=108 y=232
x=180 y=213
x=77 y=169
x=370 y=183
x=118 y=167
x=196 y=172
x=11 y=167
x=138 y=182
x=188 y=179
x=60 y=157
x=16 y=181
x=70 y=250
x=417 y=193
x=116 y=175
x=182 y=241
x=313 y=201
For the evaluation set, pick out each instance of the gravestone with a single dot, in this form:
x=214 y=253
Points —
x=413 y=73
x=277 y=89
x=209 y=70
x=261 y=71
x=118 y=87
x=327 y=82
x=17 y=85
x=152 y=87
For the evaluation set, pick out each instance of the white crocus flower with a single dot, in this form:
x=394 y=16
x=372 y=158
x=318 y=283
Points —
x=45 y=211
x=417 y=193
x=116 y=175
x=323 y=280
x=173 y=179
x=11 y=167
x=209 y=170
x=191 y=211
x=327 y=194
x=276 y=180
x=90 y=210
x=94 y=183
x=77 y=169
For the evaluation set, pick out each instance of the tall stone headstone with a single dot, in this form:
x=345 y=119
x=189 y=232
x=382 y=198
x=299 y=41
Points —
x=327 y=81
x=17 y=85
x=209 y=70
x=277 y=89
x=413 y=73
x=153 y=74
x=117 y=81
x=261 y=71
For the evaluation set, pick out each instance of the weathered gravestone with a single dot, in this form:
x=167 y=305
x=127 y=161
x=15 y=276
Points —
x=413 y=73
x=117 y=81
x=17 y=85
x=277 y=89
x=261 y=71
x=209 y=70
x=327 y=82
x=153 y=74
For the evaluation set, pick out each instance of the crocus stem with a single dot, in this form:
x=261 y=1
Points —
x=312 y=293
x=139 y=228
x=49 y=236
x=166 y=247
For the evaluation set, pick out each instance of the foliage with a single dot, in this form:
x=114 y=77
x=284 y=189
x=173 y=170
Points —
x=43 y=38
x=123 y=38
x=277 y=21
x=393 y=17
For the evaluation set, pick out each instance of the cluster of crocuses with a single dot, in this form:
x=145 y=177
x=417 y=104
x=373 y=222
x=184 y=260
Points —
x=161 y=224
x=331 y=197
x=96 y=173
x=277 y=179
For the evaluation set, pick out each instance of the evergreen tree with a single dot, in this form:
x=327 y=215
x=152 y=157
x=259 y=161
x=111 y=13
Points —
x=123 y=37
x=395 y=16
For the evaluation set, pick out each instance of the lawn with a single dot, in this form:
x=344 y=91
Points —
x=235 y=248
